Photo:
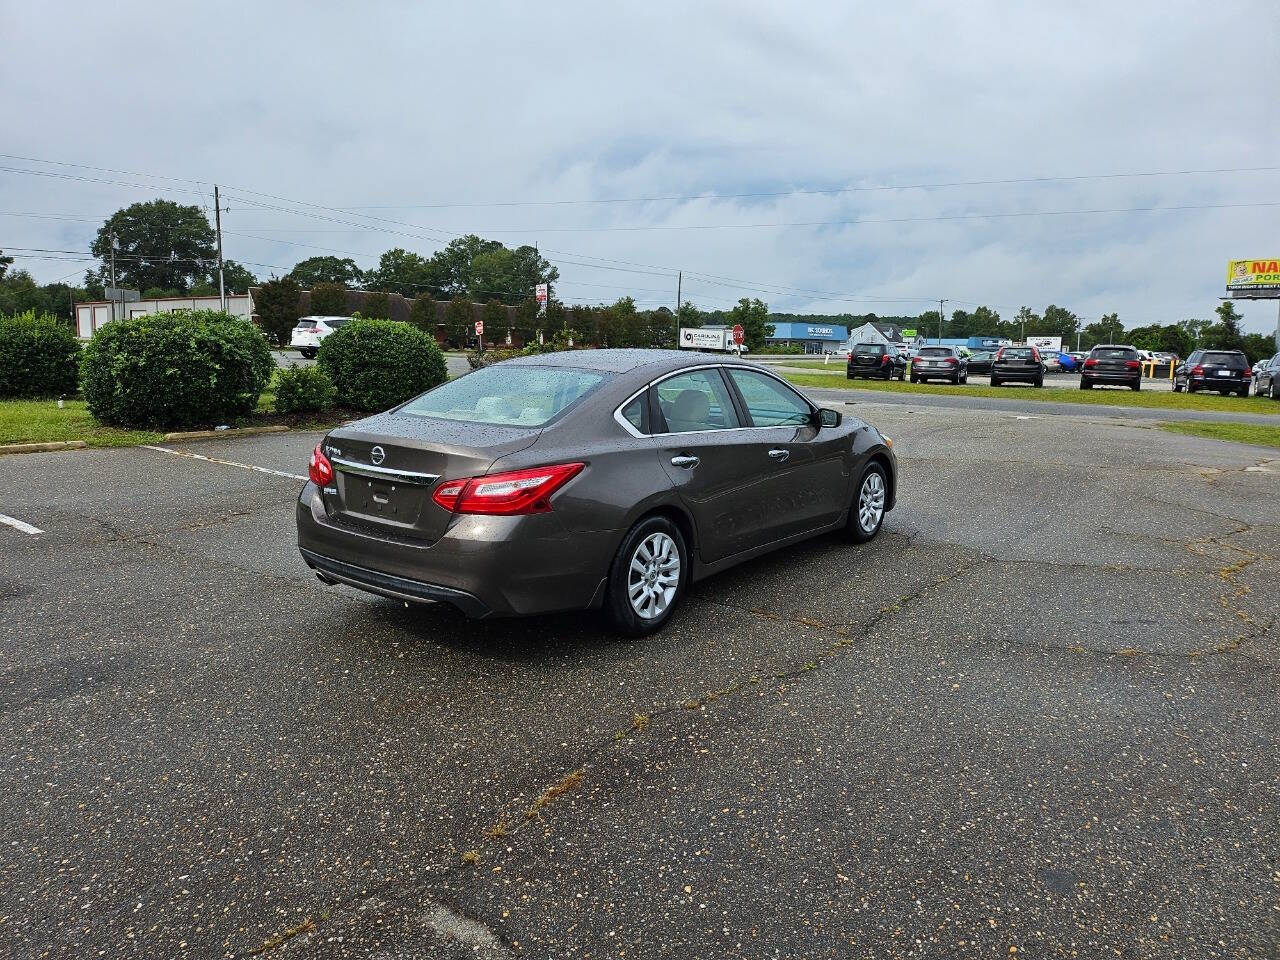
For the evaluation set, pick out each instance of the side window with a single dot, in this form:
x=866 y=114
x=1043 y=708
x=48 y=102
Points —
x=697 y=400
x=770 y=403
x=634 y=413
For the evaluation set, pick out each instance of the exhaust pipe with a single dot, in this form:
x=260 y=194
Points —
x=327 y=581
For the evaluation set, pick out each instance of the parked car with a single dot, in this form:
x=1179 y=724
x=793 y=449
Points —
x=1017 y=364
x=980 y=362
x=939 y=363
x=309 y=331
x=590 y=479
x=1079 y=356
x=1267 y=380
x=1226 y=371
x=875 y=360
x=1068 y=362
x=1113 y=364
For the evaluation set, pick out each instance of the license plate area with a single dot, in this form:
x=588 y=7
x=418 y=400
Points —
x=1223 y=373
x=383 y=501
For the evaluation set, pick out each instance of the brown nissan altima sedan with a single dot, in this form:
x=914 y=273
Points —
x=583 y=480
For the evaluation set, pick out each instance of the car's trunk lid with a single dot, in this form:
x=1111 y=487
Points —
x=386 y=467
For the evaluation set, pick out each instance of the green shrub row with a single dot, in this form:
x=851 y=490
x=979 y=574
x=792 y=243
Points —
x=38 y=356
x=376 y=364
x=304 y=390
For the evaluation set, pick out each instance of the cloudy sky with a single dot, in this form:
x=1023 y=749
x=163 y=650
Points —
x=633 y=140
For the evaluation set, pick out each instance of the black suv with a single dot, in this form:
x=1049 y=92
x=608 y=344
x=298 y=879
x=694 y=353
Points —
x=939 y=363
x=1017 y=364
x=1117 y=364
x=1226 y=371
x=877 y=360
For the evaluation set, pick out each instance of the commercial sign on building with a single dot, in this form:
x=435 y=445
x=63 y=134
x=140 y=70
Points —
x=909 y=334
x=1253 y=275
x=820 y=333
x=1053 y=344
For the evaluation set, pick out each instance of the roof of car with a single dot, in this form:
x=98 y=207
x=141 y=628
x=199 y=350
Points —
x=1114 y=346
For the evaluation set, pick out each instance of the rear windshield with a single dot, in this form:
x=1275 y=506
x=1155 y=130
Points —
x=870 y=348
x=936 y=352
x=1220 y=359
x=1017 y=353
x=517 y=396
x=1115 y=353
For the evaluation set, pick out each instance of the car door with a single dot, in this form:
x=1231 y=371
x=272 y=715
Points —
x=718 y=469
x=1182 y=374
x=807 y=485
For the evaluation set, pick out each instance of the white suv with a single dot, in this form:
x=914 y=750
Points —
x=311 y=330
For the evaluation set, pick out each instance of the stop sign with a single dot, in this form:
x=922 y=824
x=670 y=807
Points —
x=479 y=327
x=738 y=335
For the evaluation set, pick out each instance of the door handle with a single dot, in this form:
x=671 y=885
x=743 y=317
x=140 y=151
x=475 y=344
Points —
x=782 y=456
x=686 y=463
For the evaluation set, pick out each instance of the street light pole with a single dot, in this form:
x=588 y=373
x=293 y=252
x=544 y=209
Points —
x=940 y=303
x=217 y=219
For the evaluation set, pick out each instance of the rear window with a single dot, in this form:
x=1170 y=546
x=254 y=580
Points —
x=876 y=348
x=1115 y=353
x=1220 y=359
x=936 y=352
x=1017 y=353
x=515 y=396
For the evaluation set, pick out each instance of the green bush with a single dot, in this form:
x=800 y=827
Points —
x=304 y=390
x=38 y=355
x=476 y=359
x=376 y=364
x=174 y=369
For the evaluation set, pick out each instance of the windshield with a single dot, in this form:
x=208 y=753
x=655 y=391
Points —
x=1224 y=359
x=516 y=396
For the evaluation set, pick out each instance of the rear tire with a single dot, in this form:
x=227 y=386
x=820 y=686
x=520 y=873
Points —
x=308 y=353
x=1244 y=391
x=1177 y=387
x=648 y=546
x=866 y=514
x=902 y=374
x=995 y=381
x=1136 y=387
x=1086 y=383
x=1275 y=394
x=914 y=378
x=1040 y=382
x=965 y=379
x=1191 y=388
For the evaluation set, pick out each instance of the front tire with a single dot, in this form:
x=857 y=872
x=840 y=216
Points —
x=866 y=515
x=647 y=577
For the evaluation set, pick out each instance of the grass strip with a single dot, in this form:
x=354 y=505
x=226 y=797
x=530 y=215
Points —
x=1260 y=434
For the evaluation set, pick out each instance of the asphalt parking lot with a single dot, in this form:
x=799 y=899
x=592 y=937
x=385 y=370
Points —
x=1037 y=717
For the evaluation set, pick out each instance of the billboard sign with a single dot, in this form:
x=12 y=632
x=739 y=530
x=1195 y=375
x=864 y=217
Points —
x=540 y=293
x=819 y=333
x=908 y=334
x=701 y=338
x=1050 y=344
x=1257 y=277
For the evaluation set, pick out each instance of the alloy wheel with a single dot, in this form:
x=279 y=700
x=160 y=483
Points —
x=871 y=501
x=653 y=576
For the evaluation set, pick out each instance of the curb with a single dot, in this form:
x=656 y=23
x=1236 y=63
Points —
x=218 y=434
x=42 y=447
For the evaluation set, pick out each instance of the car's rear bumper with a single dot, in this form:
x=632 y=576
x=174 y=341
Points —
x=871 y=373
x=484 y=566
x=1124 y=379
x=1021 y=374
x=1220 y=383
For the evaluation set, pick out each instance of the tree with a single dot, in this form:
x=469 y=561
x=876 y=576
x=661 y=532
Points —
x=236 y=278
x=459 y=316
x=1196 y=330
x=754 y=317
x=316 y=270
x=404 y=272
x=19 y=293
x=526 y=322
x=1026 y=322
x=1258 y=346
x=496 y=322
x=5 y=263
x=984 y=322
x=662 y=328
x=1175 y=339
x=423 y=314
x=158 y=244
x=1056 y=322
x=690 y=315
x=377 y=306
x=277 y=306
x=451 y=266
x=329 y=300
x=1225 y=334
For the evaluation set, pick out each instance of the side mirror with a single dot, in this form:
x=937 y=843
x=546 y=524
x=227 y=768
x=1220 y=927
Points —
x=828 y=418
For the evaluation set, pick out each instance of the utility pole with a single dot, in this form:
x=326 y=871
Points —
x=940 y=303
x=113 y=274
x=680 y=283
x=217 y=220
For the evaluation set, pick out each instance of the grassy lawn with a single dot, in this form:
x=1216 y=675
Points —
x=1264 y=435
x=1095 y=397
x=40 y=421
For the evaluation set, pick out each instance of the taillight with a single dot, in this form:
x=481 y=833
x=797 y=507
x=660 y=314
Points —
x=1132 y=364
x=999 y=354
x=1091 y=362
x=848 y=356
x=884 y=360
x=1248 y=374
x=320 y=470
x=953 y=361
x=506 y=494
x=1197 y=371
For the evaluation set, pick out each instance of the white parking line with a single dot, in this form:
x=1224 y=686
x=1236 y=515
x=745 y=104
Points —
x=228 y=463
x=19 y=525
